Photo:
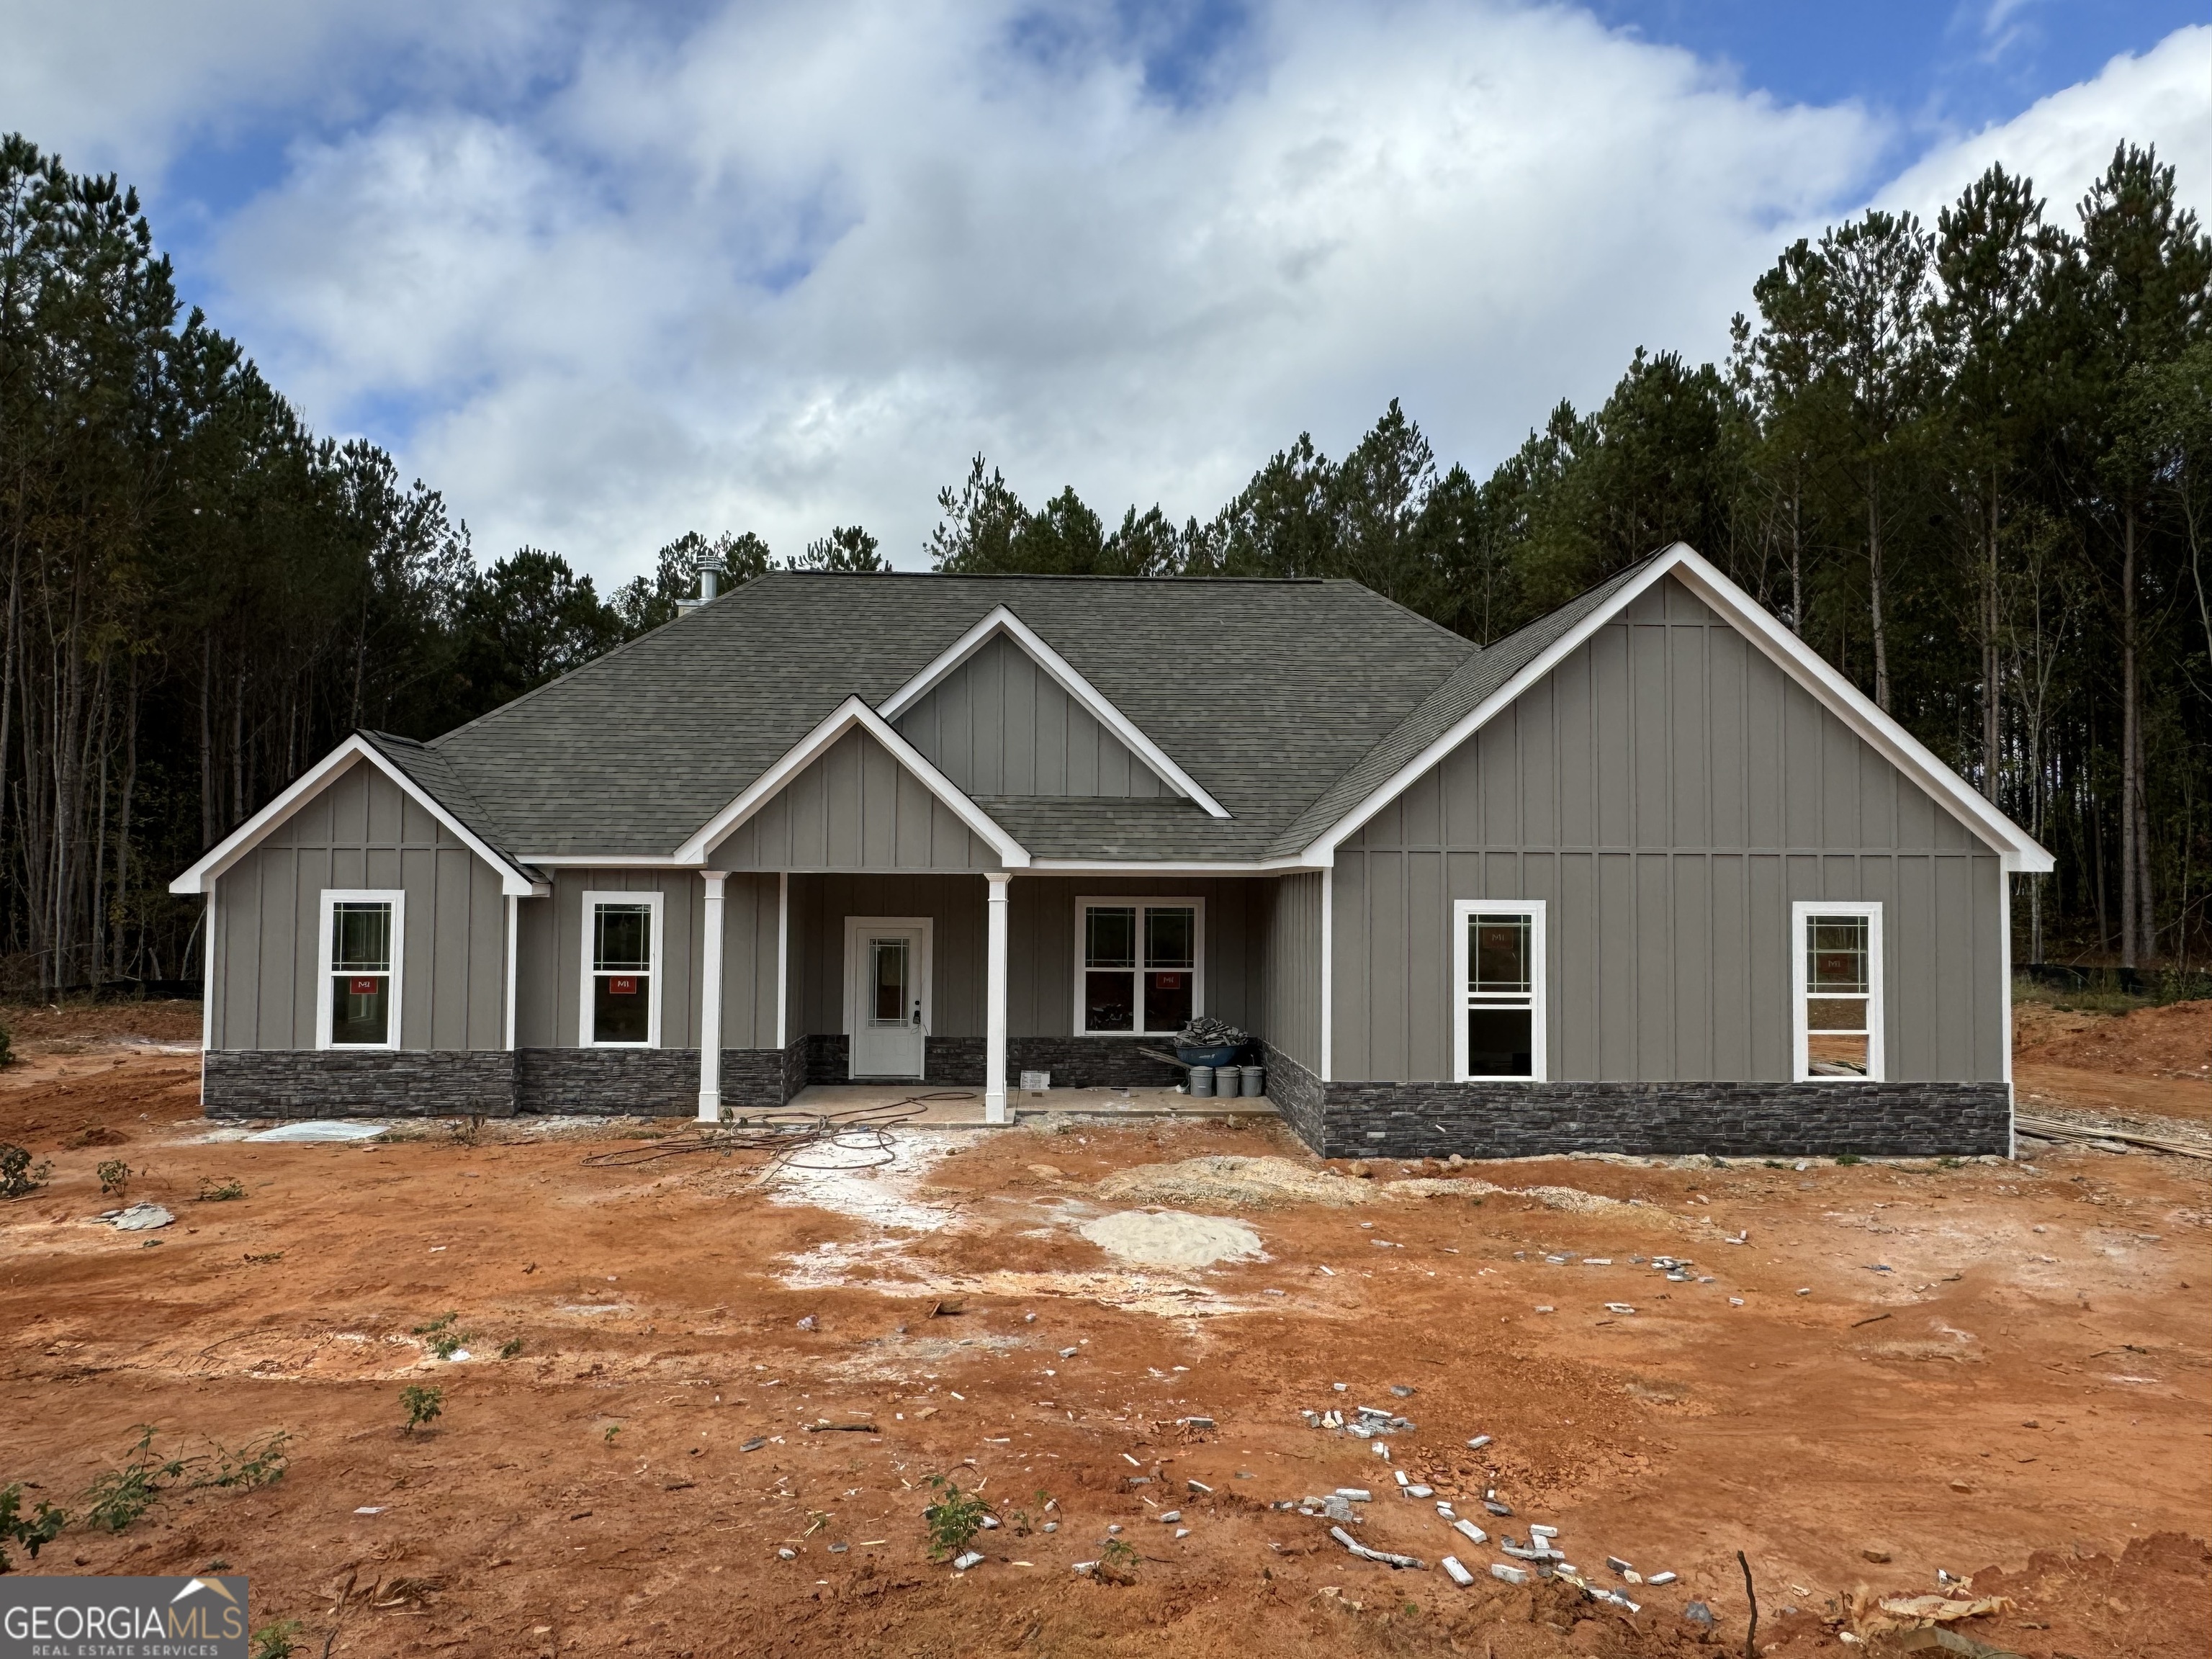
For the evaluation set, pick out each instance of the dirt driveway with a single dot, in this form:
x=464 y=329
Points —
x=1987 y=1370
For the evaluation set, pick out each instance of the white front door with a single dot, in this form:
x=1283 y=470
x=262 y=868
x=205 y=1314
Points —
x=886 y=993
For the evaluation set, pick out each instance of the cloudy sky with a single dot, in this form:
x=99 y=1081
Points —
x=606 y=272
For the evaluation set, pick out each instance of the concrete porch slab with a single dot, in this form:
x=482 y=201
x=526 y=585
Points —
x=946 y=1108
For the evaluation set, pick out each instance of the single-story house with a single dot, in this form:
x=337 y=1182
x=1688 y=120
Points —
x=1648 y=875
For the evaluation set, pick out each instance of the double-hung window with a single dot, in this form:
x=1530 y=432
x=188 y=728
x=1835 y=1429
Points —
x=358 y=1005
x=1139 y=965
x=622 y=978
x=1837 y=949
x=1498 y=970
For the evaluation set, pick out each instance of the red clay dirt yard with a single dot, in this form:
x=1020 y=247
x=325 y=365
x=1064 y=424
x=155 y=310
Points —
x=698 y=1403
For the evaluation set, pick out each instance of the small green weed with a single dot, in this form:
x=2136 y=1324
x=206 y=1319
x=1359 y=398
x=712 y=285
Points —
x=264 y=1259
x=119 y=1497
x=1021 y=1523
x=257 y=1463
x=953 y=1519
x=220 y=1192
x=1946 y=1162
x=33 y=1532
x=19 y=1176
x=1118 y=1553
x=1848 y=1158
x=612 y=1430
x=114 y=1178
x=422 y=1406
x=278 y=1641
x=442 y=1339
x=511 y=1347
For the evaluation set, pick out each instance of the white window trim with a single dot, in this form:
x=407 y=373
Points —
x=332 y=898
x=1540 y=1032
x=1877 y=1051
x=1124 y=901
x=654 y=975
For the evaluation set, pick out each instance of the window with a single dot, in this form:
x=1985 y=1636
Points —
x=1139 y=965
x=1498 y=964
x=358 y=1004
x=1837 y=953
x=621 y=986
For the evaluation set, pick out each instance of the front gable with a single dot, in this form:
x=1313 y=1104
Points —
x=999 y=725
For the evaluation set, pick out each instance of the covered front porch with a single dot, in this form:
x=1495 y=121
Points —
x=919 y=982
x=962 y=1109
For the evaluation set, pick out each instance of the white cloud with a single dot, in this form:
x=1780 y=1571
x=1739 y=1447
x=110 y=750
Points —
x=2065 y=142
x=793 y=267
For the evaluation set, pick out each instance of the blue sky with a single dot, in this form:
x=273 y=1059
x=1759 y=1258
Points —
x=605 y=272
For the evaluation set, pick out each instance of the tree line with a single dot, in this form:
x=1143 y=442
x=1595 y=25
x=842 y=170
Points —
x=1965 y=462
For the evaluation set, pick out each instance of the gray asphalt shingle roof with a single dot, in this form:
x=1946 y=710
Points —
x=1281 y=698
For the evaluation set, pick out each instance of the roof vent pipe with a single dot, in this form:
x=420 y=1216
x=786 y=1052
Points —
x=710 y=578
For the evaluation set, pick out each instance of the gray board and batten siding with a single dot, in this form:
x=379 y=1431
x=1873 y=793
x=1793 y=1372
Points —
x=855 y=806
x=363 y=831
x=1669 y=791
x=999 y=725
x=1041 y=944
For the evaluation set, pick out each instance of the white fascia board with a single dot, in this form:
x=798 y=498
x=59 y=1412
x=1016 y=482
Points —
x=612 y=861
x=2016 y=849
x=848 y=714
x=201 y=877
x=1064 y=673
x=1275 y=866
x=2019 y=850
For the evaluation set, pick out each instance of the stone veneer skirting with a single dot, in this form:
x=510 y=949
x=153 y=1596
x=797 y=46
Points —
x=308 y=1083
x=960 y=1062
x=1337 y=1119
x=305 y=1083
x=1735 y=1120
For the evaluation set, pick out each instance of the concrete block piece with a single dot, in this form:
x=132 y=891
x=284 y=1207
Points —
x=1478 y=1442
x=1617 y=1565
x=1535 y=1531
x=1357 y=1494
x=1418 y=1491
x=1510 y=1575
x=1169 y=1517
x=1458 y=1574
x=972 y=1558
x=1659 y=1578
x=1474 y=1533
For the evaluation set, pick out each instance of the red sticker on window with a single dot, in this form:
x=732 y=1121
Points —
x=1169 y=982
x=364 y=987
x=622 y=987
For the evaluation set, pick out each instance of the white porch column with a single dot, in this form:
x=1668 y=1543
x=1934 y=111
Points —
x=710 y=1001
x=994 y=1005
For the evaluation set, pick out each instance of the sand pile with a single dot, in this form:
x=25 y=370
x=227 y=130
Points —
x=1171 y=1239
x=1234 y=1183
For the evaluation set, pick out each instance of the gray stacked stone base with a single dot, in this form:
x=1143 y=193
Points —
x=1089 y=1063
x=1733 y=1119
x=309 y=1082
x=961 y=1062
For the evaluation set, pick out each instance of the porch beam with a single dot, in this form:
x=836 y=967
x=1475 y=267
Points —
x=710 y=1000
x=995 y=1002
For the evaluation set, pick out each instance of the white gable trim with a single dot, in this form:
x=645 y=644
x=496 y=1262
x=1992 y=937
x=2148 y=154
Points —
x=2018 y=850
x=810 y=748
x=201 y=877
x=1003 y=621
